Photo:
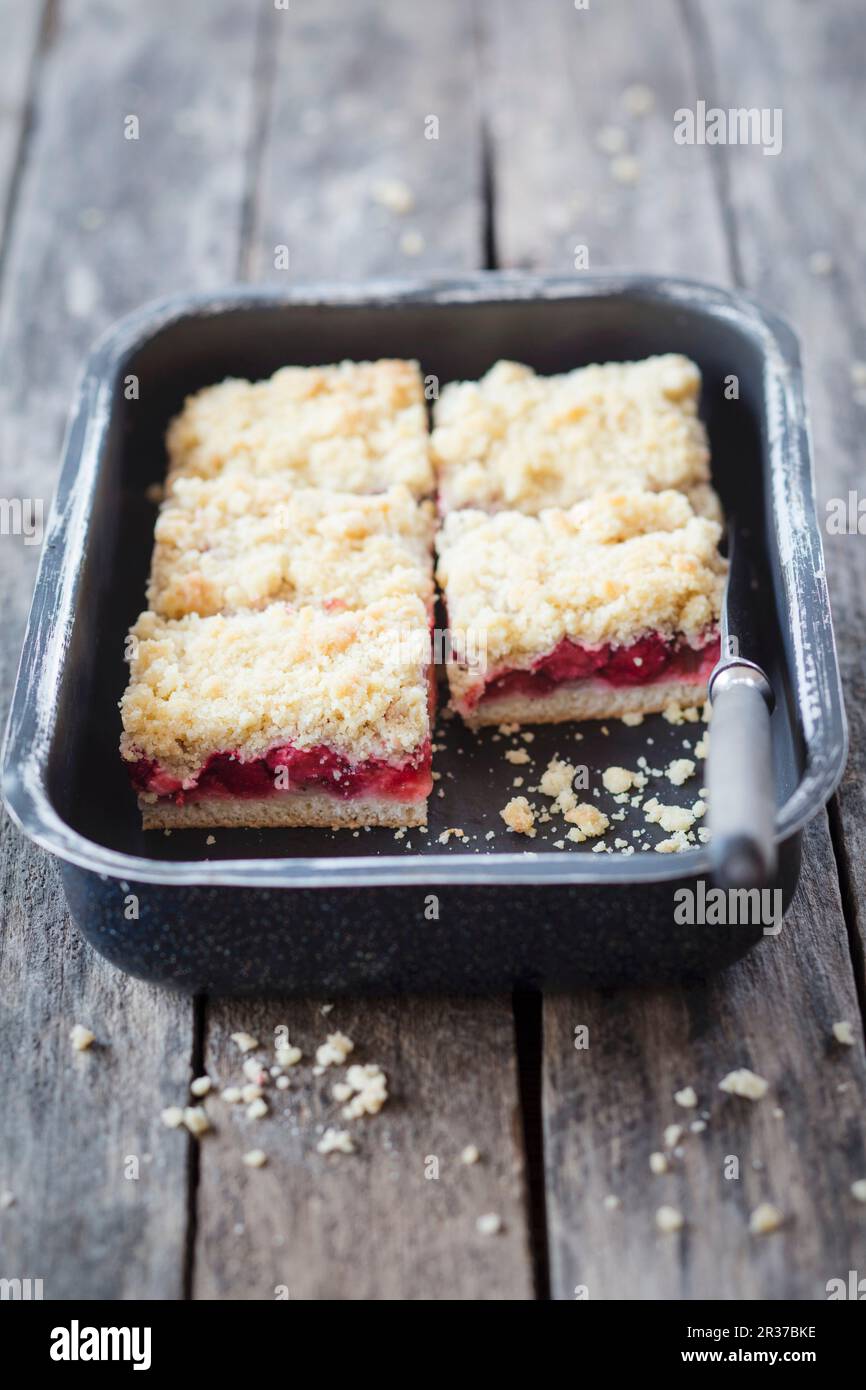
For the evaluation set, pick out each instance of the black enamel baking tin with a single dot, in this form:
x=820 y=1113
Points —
x=316 y=912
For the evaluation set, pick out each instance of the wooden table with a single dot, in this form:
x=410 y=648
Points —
x=260 y=127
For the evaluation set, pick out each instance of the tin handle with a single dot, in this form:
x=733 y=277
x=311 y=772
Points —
x=742 y=811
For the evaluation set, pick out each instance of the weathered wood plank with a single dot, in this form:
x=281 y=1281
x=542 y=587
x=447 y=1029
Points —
x=374 y=1224
x=101 y=223
x=557 y=95
x=809 y=62
x=354 y=103
x=348 y=111
x=604 y=1111
x=20 y=26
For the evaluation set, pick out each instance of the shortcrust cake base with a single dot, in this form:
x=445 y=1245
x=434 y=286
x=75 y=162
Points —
x=291 y=809
x=585 y=700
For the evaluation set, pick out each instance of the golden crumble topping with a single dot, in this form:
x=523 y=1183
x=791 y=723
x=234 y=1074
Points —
x=245 y=683
x=356 y=427
x=233 y=542
x=610 y=570
x=517 y=439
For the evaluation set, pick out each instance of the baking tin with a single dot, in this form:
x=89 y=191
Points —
x=316 y=912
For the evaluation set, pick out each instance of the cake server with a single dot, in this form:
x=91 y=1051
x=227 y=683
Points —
x=742 y=809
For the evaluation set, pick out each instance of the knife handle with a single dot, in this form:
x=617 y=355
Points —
x=742 y=810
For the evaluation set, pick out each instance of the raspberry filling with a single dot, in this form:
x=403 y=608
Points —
x=290 y=769
x=641 y=663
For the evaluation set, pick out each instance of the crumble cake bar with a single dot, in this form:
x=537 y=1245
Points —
x=518 y=440
x=354 y=427
x=233 y=542
x=606 y=609
x=281 y=717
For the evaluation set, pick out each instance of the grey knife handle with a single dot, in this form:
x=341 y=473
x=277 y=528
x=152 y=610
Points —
x=742 y=790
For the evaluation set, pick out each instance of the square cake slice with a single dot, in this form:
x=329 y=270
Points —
x=609 y=608
x=518 y=440
x=281 y=717
x=231 y=542
x=353 y=427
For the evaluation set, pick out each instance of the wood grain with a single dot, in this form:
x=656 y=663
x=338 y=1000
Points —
x=21 y=27
x=556 y=82
x=100 y=224
x=261 y=128
x=604 y=1111
x=348 y=111
x=373 y=1224
x=809 y=63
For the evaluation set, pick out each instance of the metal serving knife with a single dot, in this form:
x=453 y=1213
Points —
x=742 y=791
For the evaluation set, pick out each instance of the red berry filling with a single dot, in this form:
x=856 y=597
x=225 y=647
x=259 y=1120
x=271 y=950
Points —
x=290 y=769
x=641 y=663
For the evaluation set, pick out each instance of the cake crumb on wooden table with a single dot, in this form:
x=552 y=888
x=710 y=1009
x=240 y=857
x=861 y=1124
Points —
x=81 y=1038
x=336 y=1141
x=394 y=194
x=745 y=1083
x=369 y=1085
x=334 y=1051
x=765 y=1219
x=490 y=1224
x=669 y=1220
x=196 y=1120
x=638 y=99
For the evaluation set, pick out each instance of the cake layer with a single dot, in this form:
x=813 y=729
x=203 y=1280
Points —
x=355 y=682
x=518 y=440
x=578 y=700
x=297 y=809
x=578 y=589
x=234 y=542
x=353 y=427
